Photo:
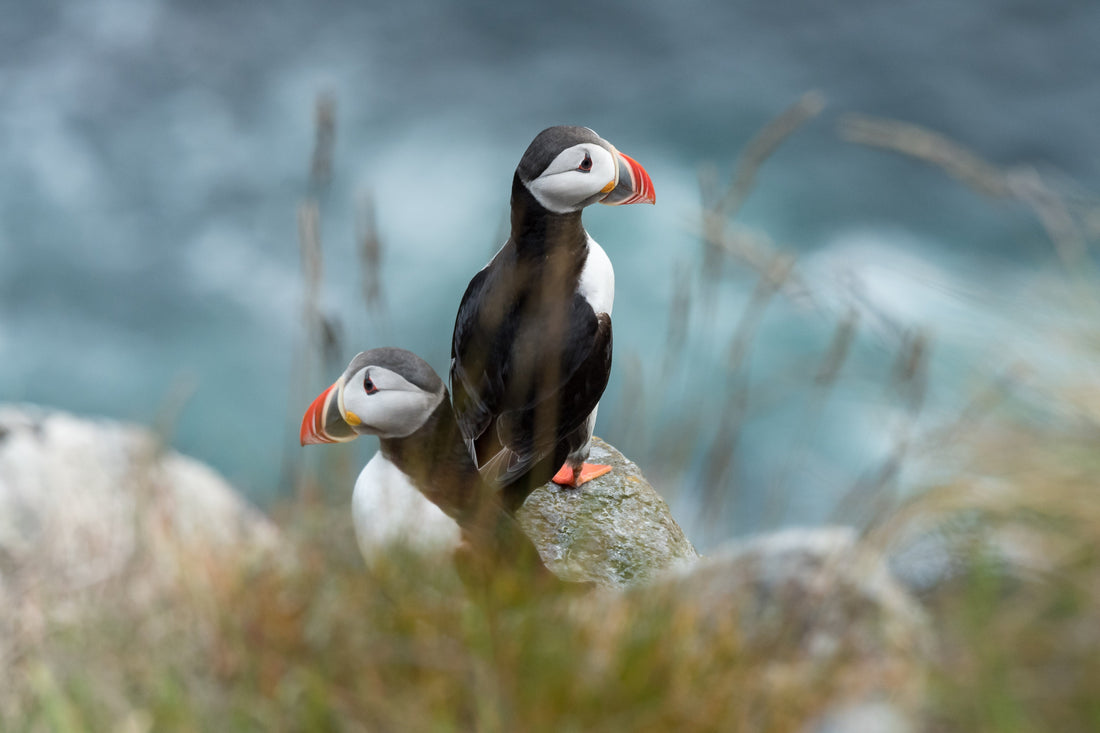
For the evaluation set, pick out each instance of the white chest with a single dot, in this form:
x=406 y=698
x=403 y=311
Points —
x=597 y=283
x=386 y=508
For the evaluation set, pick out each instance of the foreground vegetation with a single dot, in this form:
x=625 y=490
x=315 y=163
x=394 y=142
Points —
x=309 y=638
x=320 y=643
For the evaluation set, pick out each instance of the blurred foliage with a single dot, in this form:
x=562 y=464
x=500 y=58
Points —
x=311 y=638
x=1017 y=613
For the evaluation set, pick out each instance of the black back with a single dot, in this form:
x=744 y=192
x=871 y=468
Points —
x=529 y=358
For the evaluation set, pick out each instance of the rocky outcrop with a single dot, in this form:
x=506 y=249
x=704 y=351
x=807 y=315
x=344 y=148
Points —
x=79 y=497
x=810 y=599
x=614 y=531
x=819 y=580
x=818 y=635
x=812 y=616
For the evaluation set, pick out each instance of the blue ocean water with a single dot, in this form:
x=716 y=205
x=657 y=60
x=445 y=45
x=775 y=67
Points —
x=154 y=155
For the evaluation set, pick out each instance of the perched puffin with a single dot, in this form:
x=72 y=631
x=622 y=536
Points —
x=421 y=484
x=531 y=351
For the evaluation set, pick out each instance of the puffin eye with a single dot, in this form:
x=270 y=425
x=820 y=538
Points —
x=368 y=385
x=586 y=164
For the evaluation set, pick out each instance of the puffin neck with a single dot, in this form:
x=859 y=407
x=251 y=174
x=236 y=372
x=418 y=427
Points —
x=536 y=230
x=435 y=459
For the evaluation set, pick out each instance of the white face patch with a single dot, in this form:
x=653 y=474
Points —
x=575 y=178
x=393 y=408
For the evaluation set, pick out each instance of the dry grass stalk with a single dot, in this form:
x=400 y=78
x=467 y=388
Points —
x=763 y=145
x=931 y=147
x=370 y=254
x=1068 y=223
x=324 y=140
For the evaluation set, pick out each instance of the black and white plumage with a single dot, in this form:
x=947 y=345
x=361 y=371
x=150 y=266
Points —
x=531 y=352
x=421 y=482
x=421 y=487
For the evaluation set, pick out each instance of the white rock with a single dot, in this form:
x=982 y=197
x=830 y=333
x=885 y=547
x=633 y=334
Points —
x=78 y=496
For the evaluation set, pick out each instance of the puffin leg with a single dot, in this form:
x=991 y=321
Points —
x=570 y=476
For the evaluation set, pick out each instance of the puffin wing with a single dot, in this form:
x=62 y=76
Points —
x=529 y=362
x=476 y=387
x=532 y=433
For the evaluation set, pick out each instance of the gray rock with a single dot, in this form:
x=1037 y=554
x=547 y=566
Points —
x=814 y=598
x=79 y=498
x=880 y=716
x=813 y=631
x=615 y=530
x=930 y=555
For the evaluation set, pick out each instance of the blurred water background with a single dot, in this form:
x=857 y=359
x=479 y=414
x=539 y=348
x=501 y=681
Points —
x=154 y=155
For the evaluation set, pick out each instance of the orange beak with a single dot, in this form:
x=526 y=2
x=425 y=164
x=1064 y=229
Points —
x=634 y=186
x=324 y=422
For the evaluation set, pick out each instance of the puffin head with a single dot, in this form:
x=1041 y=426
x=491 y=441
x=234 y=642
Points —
x=567 y=168
x=385 y=392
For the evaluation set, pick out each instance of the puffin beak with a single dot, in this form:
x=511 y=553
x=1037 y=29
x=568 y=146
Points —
x=634 y=185
x=324 y=421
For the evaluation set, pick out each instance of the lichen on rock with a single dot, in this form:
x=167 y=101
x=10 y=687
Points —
x=615 y=530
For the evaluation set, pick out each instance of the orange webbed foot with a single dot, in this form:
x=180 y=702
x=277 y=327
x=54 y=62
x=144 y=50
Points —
x=567 y=476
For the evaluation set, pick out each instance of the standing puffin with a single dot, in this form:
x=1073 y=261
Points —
x=421 y=486
x=531 y=351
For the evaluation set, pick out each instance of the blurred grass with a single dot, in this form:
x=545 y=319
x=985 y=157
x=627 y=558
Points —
x=1018 y=614
x=311 y=638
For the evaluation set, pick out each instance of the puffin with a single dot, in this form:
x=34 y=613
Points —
x=421 y=485
x=531 y=347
